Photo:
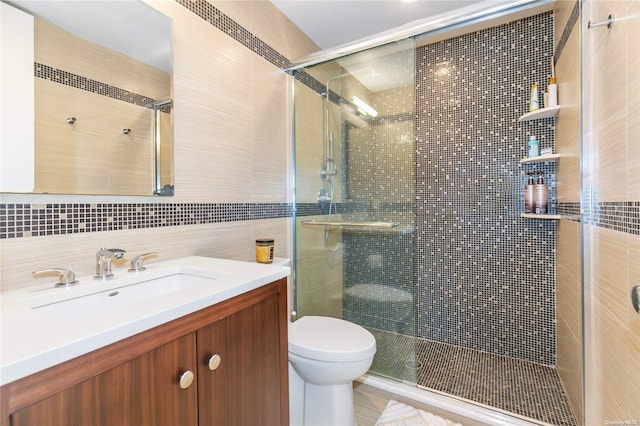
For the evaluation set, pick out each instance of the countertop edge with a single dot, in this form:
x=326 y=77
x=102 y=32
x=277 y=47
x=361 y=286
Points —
x=118 y=330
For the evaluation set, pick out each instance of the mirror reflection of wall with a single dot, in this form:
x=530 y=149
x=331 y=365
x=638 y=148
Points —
x=94 y=115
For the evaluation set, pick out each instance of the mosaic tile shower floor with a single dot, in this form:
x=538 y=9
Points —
x=521 y=387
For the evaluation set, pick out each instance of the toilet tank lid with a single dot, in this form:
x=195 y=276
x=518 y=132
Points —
x=330 y=339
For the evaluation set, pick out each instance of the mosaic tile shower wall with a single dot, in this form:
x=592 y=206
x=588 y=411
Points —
x=485 y=276
x=379 y=279
x=379 y=185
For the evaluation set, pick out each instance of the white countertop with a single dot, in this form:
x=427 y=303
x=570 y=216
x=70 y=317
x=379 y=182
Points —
x=33 y=339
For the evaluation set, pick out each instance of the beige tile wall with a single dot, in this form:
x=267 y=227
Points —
x=611 y=140
x=232 y=144
x=319 y=264
x=92 y=156
x=614 y=350
x=60 y=49
x=569 y=312
x=568 y=267
x=567 y=72
x=319 y=255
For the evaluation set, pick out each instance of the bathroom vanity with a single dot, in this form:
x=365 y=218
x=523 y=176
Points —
x=224 y=363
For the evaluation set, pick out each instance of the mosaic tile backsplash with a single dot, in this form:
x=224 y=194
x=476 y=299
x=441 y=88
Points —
x=486 y=276
x=33 y=220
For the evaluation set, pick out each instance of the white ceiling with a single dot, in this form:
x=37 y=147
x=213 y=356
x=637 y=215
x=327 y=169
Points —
x=343 y=27
x=331 y=23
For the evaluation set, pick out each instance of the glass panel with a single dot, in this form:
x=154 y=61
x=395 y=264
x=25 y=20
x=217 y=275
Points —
x=355 y=170
x=611 y=210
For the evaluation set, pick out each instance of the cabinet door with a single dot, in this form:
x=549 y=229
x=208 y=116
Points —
x=246 y=387
x=143 y=391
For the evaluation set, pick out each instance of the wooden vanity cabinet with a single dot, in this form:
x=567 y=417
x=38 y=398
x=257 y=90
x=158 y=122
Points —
x=236 y=350
x=246 y=388
x=142 y=391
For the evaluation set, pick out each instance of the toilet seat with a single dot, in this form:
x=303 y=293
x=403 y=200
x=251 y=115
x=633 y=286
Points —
x=330 y=339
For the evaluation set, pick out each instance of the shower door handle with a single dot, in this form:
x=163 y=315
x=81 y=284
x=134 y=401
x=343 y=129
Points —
x=635 y=298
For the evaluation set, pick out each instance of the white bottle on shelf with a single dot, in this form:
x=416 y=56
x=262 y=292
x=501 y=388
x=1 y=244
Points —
x=553 y=93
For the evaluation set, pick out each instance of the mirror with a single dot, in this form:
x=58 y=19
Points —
x=102 y=112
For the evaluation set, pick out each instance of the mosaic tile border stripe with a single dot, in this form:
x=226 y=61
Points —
x=32 y=220
x=309 y=81
x=219 y=20
x=314 y=209
x=566 y=32
x=308 y=209
x=623 y=216
x=94 y=86
x=569 y=211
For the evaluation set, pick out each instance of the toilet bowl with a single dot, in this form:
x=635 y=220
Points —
x=325 y=356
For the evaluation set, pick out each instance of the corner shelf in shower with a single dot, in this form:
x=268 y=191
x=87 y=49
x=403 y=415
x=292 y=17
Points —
x=541 y=158
x=541 y=113
x=541 y=216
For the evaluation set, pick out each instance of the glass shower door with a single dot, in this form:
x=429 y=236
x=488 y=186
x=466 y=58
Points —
x=355 y=198
x=611 y=211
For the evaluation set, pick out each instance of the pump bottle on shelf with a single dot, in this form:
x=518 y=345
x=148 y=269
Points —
x=529 y=194
x=541 y=195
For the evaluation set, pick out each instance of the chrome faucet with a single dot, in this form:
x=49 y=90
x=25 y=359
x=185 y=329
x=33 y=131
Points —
x=66 y=277
x=136 y=262
x=103 y=262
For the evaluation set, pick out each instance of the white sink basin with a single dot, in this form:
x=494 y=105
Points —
x=43 y=325
x=120 y=297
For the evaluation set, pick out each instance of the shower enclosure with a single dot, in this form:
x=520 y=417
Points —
x=409 y=201
x=408 y=213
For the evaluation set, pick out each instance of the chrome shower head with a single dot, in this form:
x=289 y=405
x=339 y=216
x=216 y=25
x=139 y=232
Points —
x=323 y=196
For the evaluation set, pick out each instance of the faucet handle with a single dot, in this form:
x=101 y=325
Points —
x=136 y=262
x=66 y=277
x=117 y=253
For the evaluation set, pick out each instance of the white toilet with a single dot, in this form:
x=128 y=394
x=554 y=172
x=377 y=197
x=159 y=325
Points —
x=325 y=356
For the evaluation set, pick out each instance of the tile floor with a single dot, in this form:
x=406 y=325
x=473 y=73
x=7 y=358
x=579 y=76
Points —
x=521 y=387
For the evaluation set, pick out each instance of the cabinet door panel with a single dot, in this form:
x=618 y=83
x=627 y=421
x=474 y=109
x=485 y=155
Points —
x=144 y=391
x=245 y=388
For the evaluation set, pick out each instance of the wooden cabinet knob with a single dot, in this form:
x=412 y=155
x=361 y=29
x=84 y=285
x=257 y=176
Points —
x=214 y=362
x=186 y=379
